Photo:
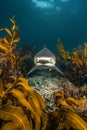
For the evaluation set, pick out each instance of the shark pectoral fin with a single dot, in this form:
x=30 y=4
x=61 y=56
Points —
x=58 y=70
x=34 y=68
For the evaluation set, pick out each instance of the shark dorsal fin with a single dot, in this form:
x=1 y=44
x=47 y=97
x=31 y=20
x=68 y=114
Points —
x=44 y=46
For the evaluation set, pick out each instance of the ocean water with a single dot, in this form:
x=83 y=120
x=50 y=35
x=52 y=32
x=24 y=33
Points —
x=43 y=21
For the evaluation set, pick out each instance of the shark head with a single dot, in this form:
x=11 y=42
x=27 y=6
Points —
x=45 y=59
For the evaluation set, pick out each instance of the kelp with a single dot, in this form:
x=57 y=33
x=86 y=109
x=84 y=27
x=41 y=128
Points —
x=17 y=96
x=66 y=115
x=20 y=106
x=74 y=63
x=63 y=54
x=15 y=117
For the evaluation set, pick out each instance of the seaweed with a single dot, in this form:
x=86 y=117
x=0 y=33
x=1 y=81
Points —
x=74 y=63
x=70 y=113
x=19 y=103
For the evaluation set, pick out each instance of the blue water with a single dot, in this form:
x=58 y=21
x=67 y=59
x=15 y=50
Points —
x=43 y=21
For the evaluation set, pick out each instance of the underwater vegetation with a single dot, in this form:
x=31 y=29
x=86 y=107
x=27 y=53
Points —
x=26 y=54
x=74 y=63
x=22 y=108
x=19 y=103
x=66 y=98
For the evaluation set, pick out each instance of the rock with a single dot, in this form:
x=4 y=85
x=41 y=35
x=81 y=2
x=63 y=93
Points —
x=46 y=83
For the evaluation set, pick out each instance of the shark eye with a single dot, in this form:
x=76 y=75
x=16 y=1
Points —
x=50 y=60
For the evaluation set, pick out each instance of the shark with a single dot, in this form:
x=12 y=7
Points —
x=45 y=59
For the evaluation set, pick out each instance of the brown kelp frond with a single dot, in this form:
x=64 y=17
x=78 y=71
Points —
x=20 y=106
x=20 y=97
x=67 y=114
x=12 y=36
x=63 y=54
x=15 y=118
x=75 y=121
x=74 y=63
x=70 y=110
x=8 y=43
x=68 y=102
x=74 y=56
x=37 y=100
x=20 y=94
